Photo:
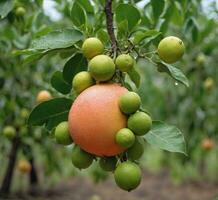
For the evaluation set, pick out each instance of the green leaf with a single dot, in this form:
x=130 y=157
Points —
x=49 y=110
x=86 y=5
x=174 y=72
x=141 y=35
x=57 y=39
x=129 y=13
x=166 y=137
x=5 y=7
x=134 y=76
x=157 y=8
x=59 y=83
x=78 y=15
x=102 y=35
x=74 y=65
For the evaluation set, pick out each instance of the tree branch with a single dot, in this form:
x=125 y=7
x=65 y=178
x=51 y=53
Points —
x=110 y=26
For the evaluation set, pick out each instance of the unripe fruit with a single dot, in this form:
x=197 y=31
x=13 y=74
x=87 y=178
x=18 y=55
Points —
x=129 y=102
x=23 y=131
x=62 y=134
x=42 y=96
x=102 y=68
x=80 y=158
x=24 y=113
x=92 y=47
x=81 y=81
x=208 y=83
x=140 y=123
x=201 y=59
x=125 y=138
x=127 y=175
x=207 y=144
x=171 y=49
x=20 y=11
x=9 y=132
x=136 y=151
x=108 y=163
x=24 y=166
x=124 y=62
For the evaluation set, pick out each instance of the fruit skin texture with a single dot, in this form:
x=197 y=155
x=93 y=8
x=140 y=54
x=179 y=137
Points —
x=129 y=102
x=95 y=118
x=127 y=175
x=62 y=134
x=102 y=68
x=124 y=62
x=140 y=123
x=80 y=158
x=207 y=144
x=24 y=166
x=81 y=81
x=42 y=96
x=136 y=151
x=108 y=163
x=125 y=137
x=9 y=132
x=171 y=49
x=92 y=47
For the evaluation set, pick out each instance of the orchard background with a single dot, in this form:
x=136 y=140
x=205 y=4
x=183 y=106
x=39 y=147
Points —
x=40 y=54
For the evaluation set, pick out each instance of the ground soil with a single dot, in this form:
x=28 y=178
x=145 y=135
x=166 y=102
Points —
x=153 y=187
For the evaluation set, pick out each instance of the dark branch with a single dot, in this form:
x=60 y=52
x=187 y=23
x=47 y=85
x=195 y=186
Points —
x=110 y=26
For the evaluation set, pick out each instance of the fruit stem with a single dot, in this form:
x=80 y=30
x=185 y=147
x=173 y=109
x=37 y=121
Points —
x=110 y=26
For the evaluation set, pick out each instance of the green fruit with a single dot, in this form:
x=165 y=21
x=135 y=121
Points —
x=127 y=175
x=24 y=131
x=20 y=11
x=92 y=47
x=82 y=81
x=24 y=113
x=124 y=62
x=136 y=151
x=140 y=123
x=129 y=102
x=62 y=134
x=108 y=163
x=9 y=132
x=171 y=49
x=102 y=68
x=201 y=59
x=80 y=158
x=208 y=83
x=125 y=138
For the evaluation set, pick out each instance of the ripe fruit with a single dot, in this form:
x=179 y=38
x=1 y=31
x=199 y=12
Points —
x=171 y=49
x=9 y=132
x=209 y=83
x=81 y=81
x=102 y=68
x=129 y=102
x=140 y=123
x=92 y=47
x=43 y=95
x=80 y=158
x=24 y=166
x=136 y=150
x=125 y=137
x=62 y=134
x=20 y=11
x=124 y=62
x=95 y=118
x=108 y=163
x=127 y=175
x=208 y=144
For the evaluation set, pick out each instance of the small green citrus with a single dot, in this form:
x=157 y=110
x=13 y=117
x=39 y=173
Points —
x=92 y=47
x=102 y=68
x=124 y=62
x=136 y=151
x=20 y=11
x=108 y=163
x=129 y=102
x=82 y=81
x=9 y=132
x=62 y=134
x=127 y=175
x=125 y=138
x=171 y=49
x=140 y=123
x=80 y=158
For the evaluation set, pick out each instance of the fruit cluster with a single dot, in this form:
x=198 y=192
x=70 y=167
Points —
x=105 y=120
